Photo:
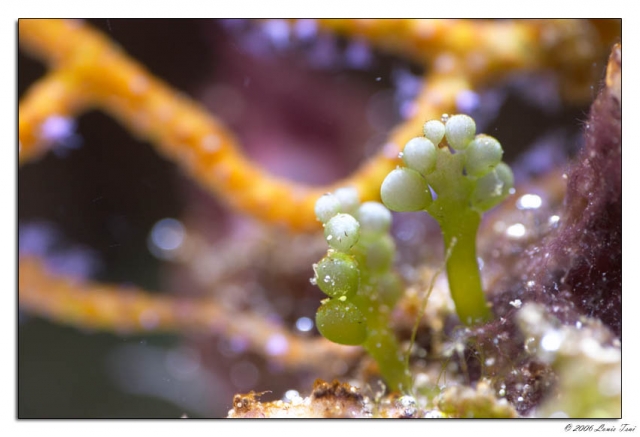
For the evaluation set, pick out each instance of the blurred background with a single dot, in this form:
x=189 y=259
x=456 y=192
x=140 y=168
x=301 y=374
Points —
x=104 y=205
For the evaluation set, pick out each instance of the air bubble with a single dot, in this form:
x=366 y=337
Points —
x=529 y=201
x=408 y=406
x=292 y=396
x=166 y=237
x=304 y=324
x=551 y=341
x=516 y=230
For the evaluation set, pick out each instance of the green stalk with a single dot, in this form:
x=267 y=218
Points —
x=462 y=267
x=383 y=346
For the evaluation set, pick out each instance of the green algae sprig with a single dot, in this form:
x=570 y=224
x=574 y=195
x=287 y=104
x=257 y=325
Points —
x=454 y=175
x=358 y=278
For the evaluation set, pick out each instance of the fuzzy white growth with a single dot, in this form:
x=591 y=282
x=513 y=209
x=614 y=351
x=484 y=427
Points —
x=374 y=218
x=349 y=199
x=342 y=232
x=460 y=130
x=483 y=154
x=434 y=131
x=326 y=207
x=420 y=154
x=405 y=190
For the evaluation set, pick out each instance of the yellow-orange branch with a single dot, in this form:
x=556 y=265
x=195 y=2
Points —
x=182 y=129
x=99 y=74
x=89 y=305
x=87 y=71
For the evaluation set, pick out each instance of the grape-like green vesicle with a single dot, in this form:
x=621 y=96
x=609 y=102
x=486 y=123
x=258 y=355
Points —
x=349 y=199
x=460 y=130
x=337 y=275
x=341 y=322
x=420 y=154
x=389 y=288
x=342 y=231
x=376 y=253
x=374 y=218
x=468 y=178
x=326 y=207
x=356 y=275
x=483 y=154
x=493 y=187
x=434 y=131
x=405 y=190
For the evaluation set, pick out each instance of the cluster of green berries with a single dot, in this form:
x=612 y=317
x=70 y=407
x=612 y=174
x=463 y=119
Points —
x=357 y=268
x=357 y=276
x=466 y=173
x=470 y=169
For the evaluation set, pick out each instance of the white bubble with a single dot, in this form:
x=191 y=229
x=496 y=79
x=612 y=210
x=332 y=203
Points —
x=166 y=236
x=292 y=396
x=551 y=342
x=529 y=201
x=516 y=230
x=304 y=324
x=408 y=406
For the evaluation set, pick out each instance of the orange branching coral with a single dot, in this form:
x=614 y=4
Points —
x=98 y=306
x=88 y=71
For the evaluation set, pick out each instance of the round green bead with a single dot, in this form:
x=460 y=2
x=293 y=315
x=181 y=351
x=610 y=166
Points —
x=341 y=322
x=434 y=131
x=374 y=218
x=420 y=154
x=482 y=155
x=390 y=288
x=405 y=190
x=460 y=130
x=337 y=275
x=342 y=232
x=376 y=253
x=326 y=207
x=493 y=187
x=349 y=199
